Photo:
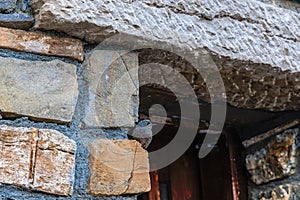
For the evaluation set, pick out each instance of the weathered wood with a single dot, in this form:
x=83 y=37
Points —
x=233 y=167
x=154 y=194
x=215 y=174
x=259 y=138
x=249 y=120
x=239 y=179
x=176 y=122
x=185 y=178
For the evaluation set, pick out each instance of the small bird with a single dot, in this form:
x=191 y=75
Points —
x=143 y=133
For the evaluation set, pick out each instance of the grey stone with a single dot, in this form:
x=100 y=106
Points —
x=41 y=90
x=16 y=20
x=7 y=6
x=293 y=5
x=24 y=5
x=275 y=159
x=112 y=80
x=246 y=30
x=290 y=191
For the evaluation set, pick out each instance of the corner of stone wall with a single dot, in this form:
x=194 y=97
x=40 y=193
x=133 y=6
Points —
x=60 y=117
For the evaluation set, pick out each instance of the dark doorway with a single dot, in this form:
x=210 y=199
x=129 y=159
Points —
x=191 y=178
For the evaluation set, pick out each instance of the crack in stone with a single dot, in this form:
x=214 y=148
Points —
x=128 y=71
x=133 y=168
x=204 y=16
x=52 y=149
x=33 y=154
x=222 y=14
x=30 y=166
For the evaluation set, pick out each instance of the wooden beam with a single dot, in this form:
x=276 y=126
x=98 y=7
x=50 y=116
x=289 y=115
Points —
x=259 y=138
x=154 y=194
x=188 y=123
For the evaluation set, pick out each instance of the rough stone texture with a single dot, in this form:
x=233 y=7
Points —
x=118 y=167
x=247 y=30
x=281 y=192
x=41 y=43
x=82 y=159
x=16 y=20
x=113 y=84
x=15 y=14
x=7 y=6
x=42 y=90
x=247 y=84
x=234 y=32
x=42 y=160
x=275 y=159
x=293 y=5
x=57 y=176
x=17 y=148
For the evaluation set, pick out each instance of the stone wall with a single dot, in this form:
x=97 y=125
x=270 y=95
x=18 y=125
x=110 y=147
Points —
x=272 y=160
x=60 y=136
x=57 y=139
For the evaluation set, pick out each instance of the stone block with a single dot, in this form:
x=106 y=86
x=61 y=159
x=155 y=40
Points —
x=42 y=160
x=57 y=176
x=118 y=167
x=7 y=6
x=41 y=90
x=39 y=43
x=233 y=28
x=17 y=21
x=113 y=89
x=273 y=159
x=18 y=146
x=287 y=191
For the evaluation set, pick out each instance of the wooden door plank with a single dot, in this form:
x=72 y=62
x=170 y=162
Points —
x=185 y=178
x=154 y=194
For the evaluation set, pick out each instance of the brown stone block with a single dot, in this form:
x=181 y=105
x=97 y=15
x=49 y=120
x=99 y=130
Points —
x=55 y=159
x=39 y=43
x=118 y=167
x=139 y=180
x=17 y=147
x=42 y=160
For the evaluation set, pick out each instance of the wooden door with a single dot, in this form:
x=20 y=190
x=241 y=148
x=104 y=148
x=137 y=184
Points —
x=210 y=178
